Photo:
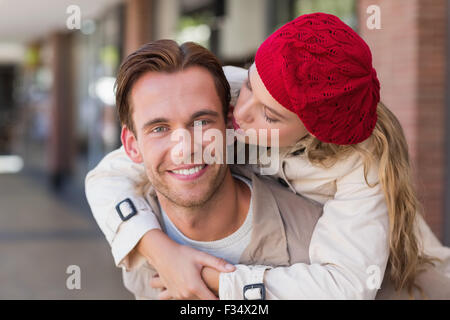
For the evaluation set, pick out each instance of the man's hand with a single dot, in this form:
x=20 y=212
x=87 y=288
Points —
x=179 y=267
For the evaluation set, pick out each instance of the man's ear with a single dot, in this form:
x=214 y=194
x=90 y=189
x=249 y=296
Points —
x=130 y=144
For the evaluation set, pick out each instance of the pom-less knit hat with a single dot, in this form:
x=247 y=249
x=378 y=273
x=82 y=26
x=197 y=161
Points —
x=319 y=68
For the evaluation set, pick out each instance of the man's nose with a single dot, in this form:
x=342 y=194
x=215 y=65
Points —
x=187 y=147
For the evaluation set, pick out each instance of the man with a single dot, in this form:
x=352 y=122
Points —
x=228 y=212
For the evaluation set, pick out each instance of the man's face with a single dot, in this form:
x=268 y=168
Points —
x=162 y=103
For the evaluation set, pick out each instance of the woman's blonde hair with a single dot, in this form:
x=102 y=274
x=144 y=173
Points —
x=390 y=150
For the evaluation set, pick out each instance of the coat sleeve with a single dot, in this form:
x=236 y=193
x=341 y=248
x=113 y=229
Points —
x=115 y=179
x=348 y=251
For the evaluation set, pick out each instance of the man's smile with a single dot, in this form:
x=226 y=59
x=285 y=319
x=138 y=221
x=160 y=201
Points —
x=188 y=172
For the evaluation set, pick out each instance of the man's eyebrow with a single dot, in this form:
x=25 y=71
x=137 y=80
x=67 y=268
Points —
x=153 y=122
x=194 y=116
x=204 y=112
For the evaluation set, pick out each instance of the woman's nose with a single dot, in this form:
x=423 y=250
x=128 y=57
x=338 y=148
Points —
x=244 y=112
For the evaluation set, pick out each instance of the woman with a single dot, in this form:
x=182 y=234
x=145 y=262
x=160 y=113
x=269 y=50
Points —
x=313 y=81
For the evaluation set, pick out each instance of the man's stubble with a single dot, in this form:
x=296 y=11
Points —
x=183 y=201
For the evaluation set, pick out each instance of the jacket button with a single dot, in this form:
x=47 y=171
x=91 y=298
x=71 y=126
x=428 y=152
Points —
x=284 y=183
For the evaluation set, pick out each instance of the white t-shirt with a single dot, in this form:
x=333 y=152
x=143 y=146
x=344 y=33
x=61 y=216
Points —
x=229 y=248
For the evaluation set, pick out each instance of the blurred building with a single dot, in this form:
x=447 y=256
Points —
x=56 y=89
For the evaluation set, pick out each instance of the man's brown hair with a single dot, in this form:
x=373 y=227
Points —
x=166 y=56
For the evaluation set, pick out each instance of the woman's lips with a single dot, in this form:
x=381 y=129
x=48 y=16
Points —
x=237 y=129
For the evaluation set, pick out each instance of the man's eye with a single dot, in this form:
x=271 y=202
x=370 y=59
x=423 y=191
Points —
x=159 y=129
x=200 y=123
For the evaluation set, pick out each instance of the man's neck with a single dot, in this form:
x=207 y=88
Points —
x=219 y=217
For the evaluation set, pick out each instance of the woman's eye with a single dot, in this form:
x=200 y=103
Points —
x=200 y=123
x=270 y=120
x=159 y=129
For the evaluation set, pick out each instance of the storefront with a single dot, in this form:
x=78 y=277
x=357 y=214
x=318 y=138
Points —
x=97 y=51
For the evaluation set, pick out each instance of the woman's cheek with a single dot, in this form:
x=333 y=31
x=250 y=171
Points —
x=286 y=138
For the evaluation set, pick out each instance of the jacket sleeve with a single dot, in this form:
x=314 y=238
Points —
x=348 y=251
x=117 y=178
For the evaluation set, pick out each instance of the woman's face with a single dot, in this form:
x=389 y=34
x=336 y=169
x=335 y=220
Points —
x=257 y=109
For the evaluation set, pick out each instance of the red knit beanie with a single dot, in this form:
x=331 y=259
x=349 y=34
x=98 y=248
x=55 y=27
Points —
x=319 y=68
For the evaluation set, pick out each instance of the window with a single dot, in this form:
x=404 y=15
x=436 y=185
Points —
x=199 y=22
x=344 y=9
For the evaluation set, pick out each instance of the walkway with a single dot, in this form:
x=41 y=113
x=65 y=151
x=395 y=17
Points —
x=41 y=234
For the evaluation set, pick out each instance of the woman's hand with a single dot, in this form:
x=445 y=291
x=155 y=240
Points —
x=179 y=267
x=210 y=277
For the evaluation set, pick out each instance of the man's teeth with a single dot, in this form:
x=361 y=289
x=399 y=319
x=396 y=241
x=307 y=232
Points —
x=188 y=172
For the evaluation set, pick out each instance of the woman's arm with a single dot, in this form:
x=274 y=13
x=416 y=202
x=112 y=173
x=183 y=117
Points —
x=348 y=251
x=115 y=179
